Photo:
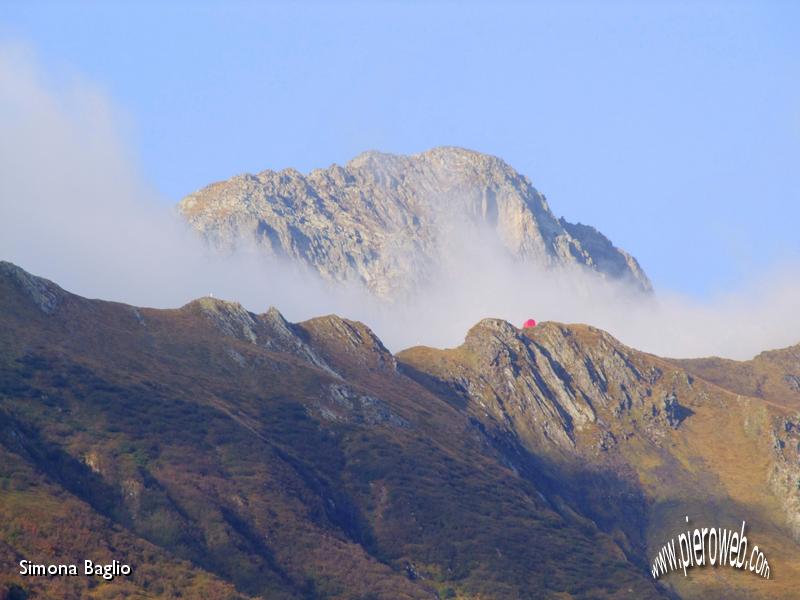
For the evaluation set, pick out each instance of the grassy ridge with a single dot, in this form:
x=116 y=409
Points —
x=229 y=455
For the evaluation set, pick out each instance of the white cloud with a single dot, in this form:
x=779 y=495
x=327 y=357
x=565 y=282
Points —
x=74 y=208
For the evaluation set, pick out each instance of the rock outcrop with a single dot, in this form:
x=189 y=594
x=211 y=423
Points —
x=45 y=294
x=548 y=384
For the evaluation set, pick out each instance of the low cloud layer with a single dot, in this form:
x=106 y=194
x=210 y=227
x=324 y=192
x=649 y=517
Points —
x=74 y=208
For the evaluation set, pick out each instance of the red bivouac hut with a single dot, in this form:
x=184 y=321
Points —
x=529 y=323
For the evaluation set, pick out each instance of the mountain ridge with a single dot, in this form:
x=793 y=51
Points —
x=385 y=220
x=304 y=460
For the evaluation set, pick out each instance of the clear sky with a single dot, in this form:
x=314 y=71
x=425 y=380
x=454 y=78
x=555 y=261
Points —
x=672 y=127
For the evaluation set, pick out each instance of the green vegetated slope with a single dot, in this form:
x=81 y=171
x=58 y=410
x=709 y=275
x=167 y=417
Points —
x=230 y=455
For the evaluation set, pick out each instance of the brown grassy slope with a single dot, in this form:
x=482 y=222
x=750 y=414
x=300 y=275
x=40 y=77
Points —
x=289 y=462
x=773 y=375
x=41 y=520
x=182 y=443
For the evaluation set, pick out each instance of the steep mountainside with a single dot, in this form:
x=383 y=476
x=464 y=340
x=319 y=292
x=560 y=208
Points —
x=384 y=220
x=227 y=454
x=631 y=441
x=287 y=461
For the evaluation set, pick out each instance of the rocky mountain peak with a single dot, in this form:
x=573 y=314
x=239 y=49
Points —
x=499 y=327
x=350 y=344
x=553 y=382
x=386 y=221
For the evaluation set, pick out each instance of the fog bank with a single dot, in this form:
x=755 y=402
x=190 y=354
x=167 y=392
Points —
x=75 y=209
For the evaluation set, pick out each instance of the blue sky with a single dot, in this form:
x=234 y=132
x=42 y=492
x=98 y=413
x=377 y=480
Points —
x=672 y=127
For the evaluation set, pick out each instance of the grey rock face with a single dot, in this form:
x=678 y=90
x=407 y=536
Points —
x=674 y=413
x=784 y=478
x=46 y=295
x=343 y=404
x=230 y=317
x=550 y=385
x=384 y=220
x=283 y=337
x=270 y=330
x=555 y=384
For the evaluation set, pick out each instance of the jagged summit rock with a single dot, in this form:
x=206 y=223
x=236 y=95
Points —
x=385 y=220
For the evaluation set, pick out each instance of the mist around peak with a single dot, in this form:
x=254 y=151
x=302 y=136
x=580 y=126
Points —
x=75 y=209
